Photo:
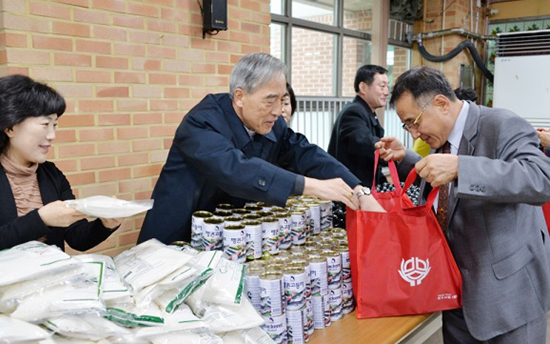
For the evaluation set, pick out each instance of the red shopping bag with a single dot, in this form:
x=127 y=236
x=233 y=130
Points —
x=400 y=261
x=546 y=211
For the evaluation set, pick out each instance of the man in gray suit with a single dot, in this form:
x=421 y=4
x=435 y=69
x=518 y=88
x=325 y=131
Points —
x=497 y=179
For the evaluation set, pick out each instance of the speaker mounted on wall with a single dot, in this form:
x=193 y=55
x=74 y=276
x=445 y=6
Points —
x=214 y=16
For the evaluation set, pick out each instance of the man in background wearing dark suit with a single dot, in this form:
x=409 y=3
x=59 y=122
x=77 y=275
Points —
x=357 y=129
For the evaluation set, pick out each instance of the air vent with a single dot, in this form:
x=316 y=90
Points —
x=523 y=43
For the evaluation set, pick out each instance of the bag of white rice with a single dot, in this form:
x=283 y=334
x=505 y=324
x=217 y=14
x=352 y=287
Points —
x=31 y=260
x=148 y=263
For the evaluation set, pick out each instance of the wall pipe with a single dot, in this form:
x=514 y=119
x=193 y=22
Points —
x=466 y=44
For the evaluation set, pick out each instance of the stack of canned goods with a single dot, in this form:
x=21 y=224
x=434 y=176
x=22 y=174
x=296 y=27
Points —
x=298 y=274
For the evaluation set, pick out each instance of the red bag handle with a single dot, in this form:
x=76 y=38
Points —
x=410 y=180
x=393 y=173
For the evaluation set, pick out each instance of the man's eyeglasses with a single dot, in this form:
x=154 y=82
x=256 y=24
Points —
x=414 y=124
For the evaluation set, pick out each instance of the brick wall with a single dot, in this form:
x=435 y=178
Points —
x=129 y=71
x=457 y=15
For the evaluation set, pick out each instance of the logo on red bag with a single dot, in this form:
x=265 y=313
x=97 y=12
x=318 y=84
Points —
x=414 y=270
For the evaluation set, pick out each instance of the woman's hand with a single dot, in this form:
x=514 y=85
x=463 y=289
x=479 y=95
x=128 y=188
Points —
x=58 y=214
x=111 y=223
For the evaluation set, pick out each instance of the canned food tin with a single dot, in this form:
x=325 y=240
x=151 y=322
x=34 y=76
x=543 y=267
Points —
x=321 y=312
x=276 y=328
x=241 y=212
x=326 y=214
x=271 y=294
x=348 y=302
x=303 y=264
x=253 y=208
x=197 y=221
x=315 y=222
x=335 y=302
x=307 y=212
x=294 y=285
x=274 y=267
x=340 y=237
x=279 y=259
x=298 y=227
x=232 y=220
x=335 y=230
x=223 y=213
x=319 y=276
x=264 y=213
x=252 y=285
x=334 y=269
x=265 y=207
x=284 y=230
x=296 y=250
x=295 y=326
x=313 y=240
x=252 y=216
x=325 y=247
x=270 y=235
x=253 y=230
x=212 y=237
x=346 y=262
x=234 y=243
x=309 y=317
x=275 y=209
x=285 y=253
x=224 y=206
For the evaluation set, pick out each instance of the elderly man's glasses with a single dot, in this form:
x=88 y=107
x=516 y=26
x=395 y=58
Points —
x=414 y=123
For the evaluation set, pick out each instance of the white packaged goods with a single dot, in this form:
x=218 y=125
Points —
x=224 y=318
x=227 y=282
x=109 y=207
x=112 y=286
x=77 y=296
x=89 y=326
x=18 y=331
x=12 y=294
x=131 y=316
x=149 y=294
x=31 y=260
x=148 y=263
x=174 y=289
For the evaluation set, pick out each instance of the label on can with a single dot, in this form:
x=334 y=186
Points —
x=326 y=214
x=270 y=235
x=315 y=221
x=348 y=302
x=275 y=327
x=197 y=221
x=334 y=270
x=295 y=326
x=284 y=232
x=252 y=290
x=321 y=312
x=212 y=236
x=335 y=302
x=271 y=294
x=294 y=284
x=309 y=316
x=319 y=276
x=253 y=239
x=298 y=228
x=234 y=243
x=346 y=266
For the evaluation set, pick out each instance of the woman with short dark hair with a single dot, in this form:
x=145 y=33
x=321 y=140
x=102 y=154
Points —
x=32 y=190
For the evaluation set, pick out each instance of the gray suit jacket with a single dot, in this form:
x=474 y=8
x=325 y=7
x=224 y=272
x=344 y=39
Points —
x=497 y=231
